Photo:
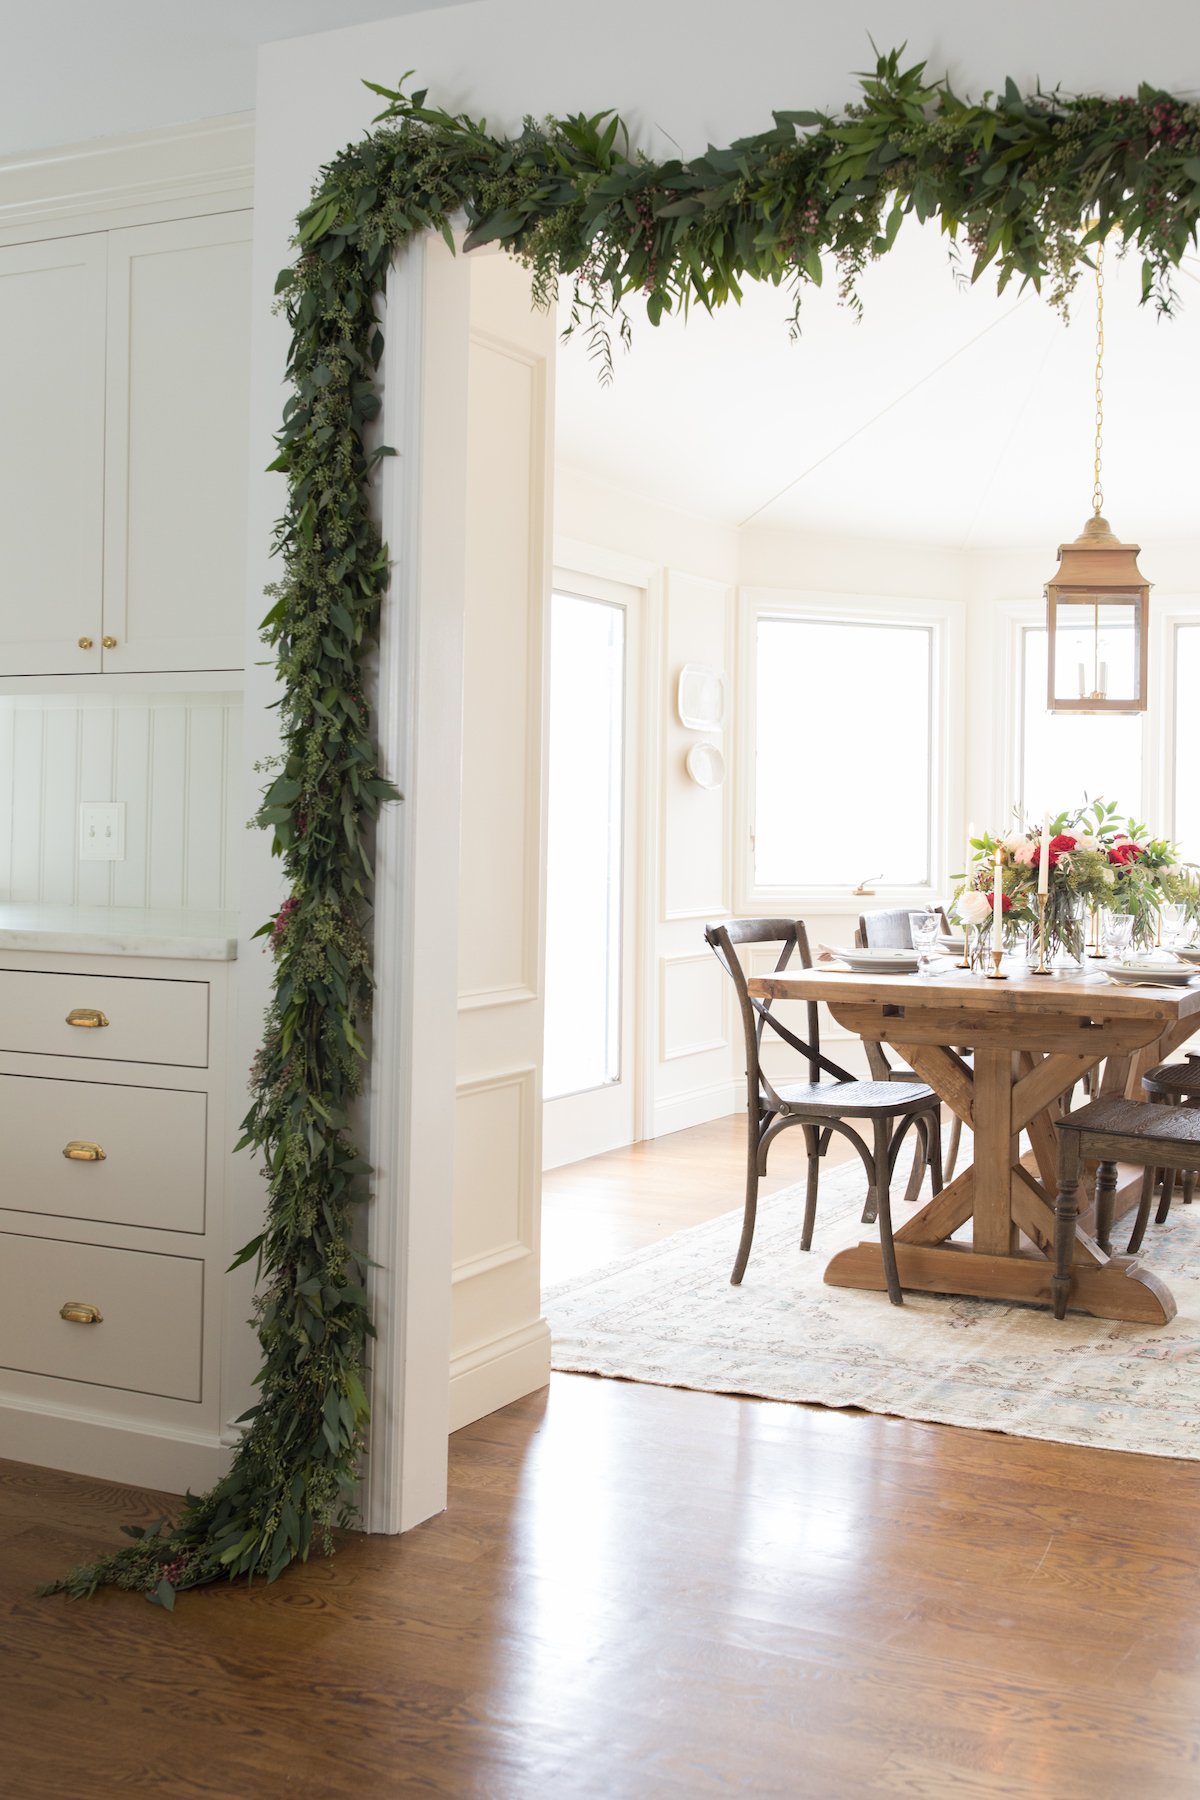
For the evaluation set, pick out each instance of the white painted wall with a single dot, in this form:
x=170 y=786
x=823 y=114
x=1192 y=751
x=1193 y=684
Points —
x=175 y=760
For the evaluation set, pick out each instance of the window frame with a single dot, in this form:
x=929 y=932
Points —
x=945 y=620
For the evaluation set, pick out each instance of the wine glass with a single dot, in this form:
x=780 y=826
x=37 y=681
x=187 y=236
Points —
x=924 y=928
x=1118 y=934
x=1173 y=915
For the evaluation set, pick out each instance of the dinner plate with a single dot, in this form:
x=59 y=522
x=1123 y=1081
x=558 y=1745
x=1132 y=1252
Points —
x=878 y=962
x=1189 y=952
x=953 y=946
x=1150 y=974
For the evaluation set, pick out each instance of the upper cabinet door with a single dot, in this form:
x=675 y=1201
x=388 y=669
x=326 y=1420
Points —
x=51 y=456
x=177 y=442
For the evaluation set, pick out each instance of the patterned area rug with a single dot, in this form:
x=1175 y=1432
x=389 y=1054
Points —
x=668 y=1315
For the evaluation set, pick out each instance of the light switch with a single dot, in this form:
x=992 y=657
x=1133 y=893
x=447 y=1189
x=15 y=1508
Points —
x=102 y=831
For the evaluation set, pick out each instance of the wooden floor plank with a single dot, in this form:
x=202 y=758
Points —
x=642 y=1592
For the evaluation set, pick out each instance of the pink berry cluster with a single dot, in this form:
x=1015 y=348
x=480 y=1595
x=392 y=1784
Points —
x=1164 y=122
x=282 y=918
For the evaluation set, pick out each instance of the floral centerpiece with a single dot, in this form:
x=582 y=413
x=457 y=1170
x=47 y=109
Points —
x=1098 y=862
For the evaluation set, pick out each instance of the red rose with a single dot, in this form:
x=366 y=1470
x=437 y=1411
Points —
x=1059 y=846
x=1005 y=902
x=1125 y=853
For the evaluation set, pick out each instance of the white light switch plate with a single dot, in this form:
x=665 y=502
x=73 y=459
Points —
x=102 y=831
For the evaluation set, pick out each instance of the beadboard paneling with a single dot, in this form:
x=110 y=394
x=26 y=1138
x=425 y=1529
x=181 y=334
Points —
x=173 y=759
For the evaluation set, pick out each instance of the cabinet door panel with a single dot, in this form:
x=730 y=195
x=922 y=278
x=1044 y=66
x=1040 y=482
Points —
x=177 y=442
x=52 y=301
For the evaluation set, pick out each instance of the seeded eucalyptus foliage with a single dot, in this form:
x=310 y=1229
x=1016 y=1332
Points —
x=1014 y=182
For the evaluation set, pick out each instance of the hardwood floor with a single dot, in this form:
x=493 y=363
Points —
x=638 y=1592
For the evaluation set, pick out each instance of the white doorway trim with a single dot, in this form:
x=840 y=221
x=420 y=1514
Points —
x=412 y=1075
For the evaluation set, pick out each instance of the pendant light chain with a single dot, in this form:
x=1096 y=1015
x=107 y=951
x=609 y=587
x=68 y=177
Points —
x=1097 y=490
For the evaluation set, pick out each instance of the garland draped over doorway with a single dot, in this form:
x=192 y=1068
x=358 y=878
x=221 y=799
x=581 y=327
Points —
x=1023 y=184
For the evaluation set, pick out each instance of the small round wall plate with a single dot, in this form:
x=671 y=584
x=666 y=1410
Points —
x=706 y=765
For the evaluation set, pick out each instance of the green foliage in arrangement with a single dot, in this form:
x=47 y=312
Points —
x=1015 y=182
x=1100 y=861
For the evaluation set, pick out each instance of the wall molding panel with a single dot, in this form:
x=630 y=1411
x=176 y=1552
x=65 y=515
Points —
x=696 y=1022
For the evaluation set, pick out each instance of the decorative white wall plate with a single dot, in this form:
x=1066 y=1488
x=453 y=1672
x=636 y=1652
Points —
x=701 y=699
x=706 y=765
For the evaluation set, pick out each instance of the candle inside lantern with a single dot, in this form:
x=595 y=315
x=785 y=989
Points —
x=1044 y=859
x=1104 y=681
x=998 y=903
x=1081 y=688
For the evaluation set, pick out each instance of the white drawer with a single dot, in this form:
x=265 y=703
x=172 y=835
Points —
x=152 y=1311
x=152 y=1140
x=146 y=1020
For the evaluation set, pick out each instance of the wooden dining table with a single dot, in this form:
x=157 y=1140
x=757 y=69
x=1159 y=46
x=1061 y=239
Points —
x=1033 y=1038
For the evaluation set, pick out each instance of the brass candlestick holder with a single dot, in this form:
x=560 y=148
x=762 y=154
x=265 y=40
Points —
x=966 y=962
x=1097 y=950
x=993 y=973
x=1043 y=901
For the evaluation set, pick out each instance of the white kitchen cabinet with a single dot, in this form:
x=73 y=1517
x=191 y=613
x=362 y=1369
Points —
x=113 y=1223
x=123 y=449
x=176 y=442
x=52 y=326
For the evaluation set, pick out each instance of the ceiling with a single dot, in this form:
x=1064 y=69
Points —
x=77 y=69
x=948 y=416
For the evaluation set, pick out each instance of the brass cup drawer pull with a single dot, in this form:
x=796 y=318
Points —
x=109 y=643
x=79 y=1150
x=88 y=1017
x=81 y=1312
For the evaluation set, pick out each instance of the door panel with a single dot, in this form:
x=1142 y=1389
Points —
x=499 y=1343
x=52 y=455
x=177 y=441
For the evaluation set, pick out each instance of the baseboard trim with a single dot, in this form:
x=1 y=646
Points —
x=698 y=1106
x=110 y=1448
x=491 y=1375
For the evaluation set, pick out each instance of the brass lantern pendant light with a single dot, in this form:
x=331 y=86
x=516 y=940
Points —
x=1097 y=604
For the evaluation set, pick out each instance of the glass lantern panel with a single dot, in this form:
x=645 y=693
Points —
x=1096 y=646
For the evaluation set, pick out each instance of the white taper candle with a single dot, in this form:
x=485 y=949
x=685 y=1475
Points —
x=1044 y=858
x=998 y=903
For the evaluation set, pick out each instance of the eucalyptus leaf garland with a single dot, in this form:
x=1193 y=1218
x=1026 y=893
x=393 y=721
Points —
x=1022 y=184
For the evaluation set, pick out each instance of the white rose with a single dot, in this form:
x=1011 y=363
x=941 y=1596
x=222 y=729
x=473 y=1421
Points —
x=1026 y=853
x=1085 y=842
x=1019 y=841
x=972 y=907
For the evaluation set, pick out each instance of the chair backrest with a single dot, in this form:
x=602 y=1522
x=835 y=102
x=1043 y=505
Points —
x=792 y=938
x=885 y=929
x=888 y=927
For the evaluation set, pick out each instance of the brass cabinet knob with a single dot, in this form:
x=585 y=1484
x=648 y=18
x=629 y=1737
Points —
x=85 y=643
x=89 y=1018
x=110 y=643
x=79 y=1150
x=81 y=1312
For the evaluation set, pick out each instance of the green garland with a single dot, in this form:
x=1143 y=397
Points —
x=1013 y=179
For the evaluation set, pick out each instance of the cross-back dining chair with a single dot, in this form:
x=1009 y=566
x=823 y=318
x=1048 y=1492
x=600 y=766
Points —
x=823 y=1104
x=888 y=928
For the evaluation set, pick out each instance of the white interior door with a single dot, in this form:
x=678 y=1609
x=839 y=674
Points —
x=589 y=1073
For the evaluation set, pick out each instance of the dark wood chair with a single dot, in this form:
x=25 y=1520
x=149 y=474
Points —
x=1171 y=1084
x=818 y=1106
x=888 y=928
x=1108 y=1132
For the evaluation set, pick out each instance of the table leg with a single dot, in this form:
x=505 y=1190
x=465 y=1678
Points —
x=994 y=1232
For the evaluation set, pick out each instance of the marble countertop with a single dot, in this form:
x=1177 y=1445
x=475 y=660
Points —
x=120 y=931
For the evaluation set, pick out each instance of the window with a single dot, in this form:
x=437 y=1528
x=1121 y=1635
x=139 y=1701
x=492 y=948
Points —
x=1186 y=827
x=843 y=753
x=1067 y=755
x=584 y=845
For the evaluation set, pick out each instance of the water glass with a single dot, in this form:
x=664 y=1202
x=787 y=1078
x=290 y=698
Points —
x=924 y=928
x=1173 y=916
x=1118 y=934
